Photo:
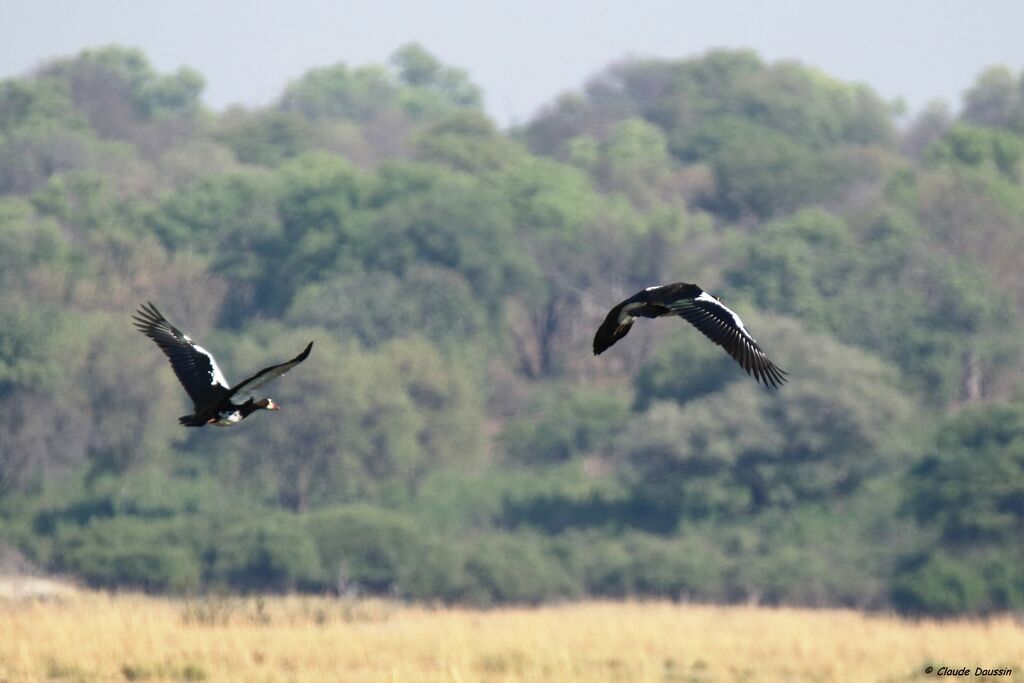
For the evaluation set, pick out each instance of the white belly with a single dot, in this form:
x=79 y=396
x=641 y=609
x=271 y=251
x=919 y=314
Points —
x=228 y=419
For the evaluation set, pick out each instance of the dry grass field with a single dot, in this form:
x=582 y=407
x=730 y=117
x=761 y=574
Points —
x=86 y=636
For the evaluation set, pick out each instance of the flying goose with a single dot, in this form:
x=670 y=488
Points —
x=203 y=381
x=702 y=310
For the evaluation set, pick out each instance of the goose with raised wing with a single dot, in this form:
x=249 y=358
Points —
x=702 y=310
x=198 y=372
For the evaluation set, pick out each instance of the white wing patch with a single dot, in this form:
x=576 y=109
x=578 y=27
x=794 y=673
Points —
x=216 y=376
x=624 y=315
x=228 y=419
x=704 y=296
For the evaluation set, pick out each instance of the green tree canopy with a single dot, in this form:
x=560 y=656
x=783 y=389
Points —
x=972 y=486
x=743 y=449
x=997 y=99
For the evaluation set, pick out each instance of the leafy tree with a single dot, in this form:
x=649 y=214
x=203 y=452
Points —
x=939 y=586
x=972 y=487
x=555 y=209
x=814 y=266
x=797 y=265
x=507 y=568
x=364 y=422
x=377 y=306
x=87 y=203
x=742 y=449
x=422 y=70
x=266 y=137
x=932 y=124
x=764 y=173
x=33 y=250
x=271 y=553
x=564 y=425
x=683 y=367
x=669 y=94
x=125 y=98
x=842 y=551
x=132 y=553
x=31 y=342
x=366 y=548
x=422 y=89
x=550 y=200
x=30 y=156
x=973 y=146
x=320 y=222
x=788 y=98
x=233 y=208
x=633 y=161
x=456 y=222
x=269 y=235
x=341 y=92
x=194 y=161
x=24 y=355
x=467 y=141
x=996 y=99
x=119 y=69
x=42 y=102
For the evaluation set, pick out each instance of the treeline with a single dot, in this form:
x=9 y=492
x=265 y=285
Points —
x=452 y=437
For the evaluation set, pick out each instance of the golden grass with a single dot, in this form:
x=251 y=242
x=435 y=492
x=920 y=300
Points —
x=102 y=637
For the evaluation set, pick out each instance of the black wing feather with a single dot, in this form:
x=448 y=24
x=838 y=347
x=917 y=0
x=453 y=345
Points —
x=269 y=374
x=195 y=367
x=610 y=330
x=719 y=324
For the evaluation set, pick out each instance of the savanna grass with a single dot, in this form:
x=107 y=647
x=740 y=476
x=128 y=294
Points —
x=104 y=637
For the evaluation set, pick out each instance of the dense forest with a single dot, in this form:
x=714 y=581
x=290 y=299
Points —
x=452 y=438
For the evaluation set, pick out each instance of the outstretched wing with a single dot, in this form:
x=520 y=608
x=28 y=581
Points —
x=719 y=324
x=615 y=327
x=269 y=374
x=195 y=366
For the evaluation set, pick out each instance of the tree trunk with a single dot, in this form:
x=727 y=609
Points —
x=972 y=389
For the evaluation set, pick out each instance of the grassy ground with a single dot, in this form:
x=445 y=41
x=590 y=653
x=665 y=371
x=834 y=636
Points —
x=101 y=637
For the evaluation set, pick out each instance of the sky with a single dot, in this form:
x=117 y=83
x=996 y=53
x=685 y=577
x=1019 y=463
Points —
x=525 y=53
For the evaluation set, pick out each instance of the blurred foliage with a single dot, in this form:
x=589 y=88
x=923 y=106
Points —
x=451 y=437
x=562 y=424
x=742 y=450
x=996 y=100
x=972 y=487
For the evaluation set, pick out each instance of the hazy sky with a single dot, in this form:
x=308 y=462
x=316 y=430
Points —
x=523 y=53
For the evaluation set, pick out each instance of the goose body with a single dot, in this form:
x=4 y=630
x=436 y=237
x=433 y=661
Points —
x=702 y=310
x=198 y=372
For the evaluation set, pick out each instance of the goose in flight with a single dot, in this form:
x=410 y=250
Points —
x=702 y=310
x=203 y=381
